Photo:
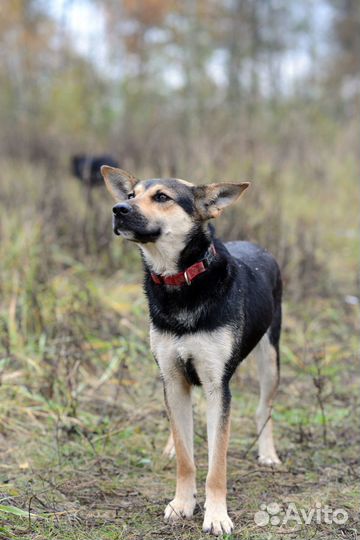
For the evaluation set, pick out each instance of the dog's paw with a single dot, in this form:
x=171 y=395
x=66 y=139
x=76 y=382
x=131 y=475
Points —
x=217 y=522
x=180 y=508
x=269 y=460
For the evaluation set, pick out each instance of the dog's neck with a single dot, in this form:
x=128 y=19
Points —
x=169 y=256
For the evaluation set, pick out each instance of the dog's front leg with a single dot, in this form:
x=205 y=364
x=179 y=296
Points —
x=178 y=401
x=216 y=518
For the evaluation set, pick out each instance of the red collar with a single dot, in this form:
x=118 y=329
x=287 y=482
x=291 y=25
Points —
x=189 y=274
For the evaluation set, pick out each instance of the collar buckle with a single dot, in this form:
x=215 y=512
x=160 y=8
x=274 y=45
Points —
x=187 y=279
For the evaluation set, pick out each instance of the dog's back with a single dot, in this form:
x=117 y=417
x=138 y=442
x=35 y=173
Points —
x=258 y=259
x=262 y=275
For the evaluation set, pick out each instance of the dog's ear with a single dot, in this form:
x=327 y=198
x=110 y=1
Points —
x=120 y=183
x=211 y=199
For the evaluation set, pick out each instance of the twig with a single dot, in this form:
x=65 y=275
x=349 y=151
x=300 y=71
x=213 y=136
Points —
x=318 y=381
x=258 y=436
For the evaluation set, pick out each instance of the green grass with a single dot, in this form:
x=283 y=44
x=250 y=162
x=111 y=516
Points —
x=82 y=421
x=88 y=464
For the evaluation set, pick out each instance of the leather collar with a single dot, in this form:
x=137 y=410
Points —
x=190 y=273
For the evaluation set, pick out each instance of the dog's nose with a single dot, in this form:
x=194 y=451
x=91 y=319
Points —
x=122 y=208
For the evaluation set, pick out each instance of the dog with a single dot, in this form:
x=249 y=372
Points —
x=210 y=304
x=87 y=168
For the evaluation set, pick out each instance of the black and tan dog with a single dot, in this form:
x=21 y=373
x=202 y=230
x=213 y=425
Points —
x=211 y=304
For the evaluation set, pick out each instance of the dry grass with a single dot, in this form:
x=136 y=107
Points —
x=88 y=465
x=82 y=420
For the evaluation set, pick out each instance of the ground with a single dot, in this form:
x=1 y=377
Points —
x=81 y=445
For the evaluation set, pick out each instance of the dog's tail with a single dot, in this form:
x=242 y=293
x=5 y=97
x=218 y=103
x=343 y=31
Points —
x=275 y=328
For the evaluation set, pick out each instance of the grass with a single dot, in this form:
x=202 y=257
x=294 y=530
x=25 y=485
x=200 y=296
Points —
x=82 y=421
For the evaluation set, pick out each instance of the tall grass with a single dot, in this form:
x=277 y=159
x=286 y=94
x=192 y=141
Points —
x=79 y=393
x=55 y=246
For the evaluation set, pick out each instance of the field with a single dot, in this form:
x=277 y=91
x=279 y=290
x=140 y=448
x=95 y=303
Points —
x=82 y=420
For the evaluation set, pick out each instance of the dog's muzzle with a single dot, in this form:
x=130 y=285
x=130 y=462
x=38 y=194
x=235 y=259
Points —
x=130 y=223
x=120 y=212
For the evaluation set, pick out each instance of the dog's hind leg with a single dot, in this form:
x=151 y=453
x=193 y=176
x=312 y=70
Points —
x=267 y=363
x=169 y=450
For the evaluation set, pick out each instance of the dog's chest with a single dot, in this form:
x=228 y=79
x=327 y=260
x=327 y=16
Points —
x=188 y=318
x=205 y=352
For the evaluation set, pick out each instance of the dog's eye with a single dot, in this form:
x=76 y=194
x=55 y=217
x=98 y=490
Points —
x=161 y=197
x=131 y=195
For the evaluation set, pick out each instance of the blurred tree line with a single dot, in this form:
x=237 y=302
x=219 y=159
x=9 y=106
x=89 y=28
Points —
x=184 y=83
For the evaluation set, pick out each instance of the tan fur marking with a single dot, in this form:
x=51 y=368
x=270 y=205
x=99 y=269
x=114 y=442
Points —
x=184 y=182
x=185 y=464
x=162 y=256
x=150 y=208
x=216 y=481
x=139 y=189
x=216 y=519
x=184 y=501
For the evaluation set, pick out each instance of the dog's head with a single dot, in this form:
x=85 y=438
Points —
x=163 y=212
x=150 y=209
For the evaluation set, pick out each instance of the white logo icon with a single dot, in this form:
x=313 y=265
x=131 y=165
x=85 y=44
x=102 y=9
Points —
x=275 y=515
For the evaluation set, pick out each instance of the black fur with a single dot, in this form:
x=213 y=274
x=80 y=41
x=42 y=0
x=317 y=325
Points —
x=189 y=371
x=241 y=289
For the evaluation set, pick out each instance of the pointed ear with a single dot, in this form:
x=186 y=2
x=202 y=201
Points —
x=210 y=200
x=118 y=182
